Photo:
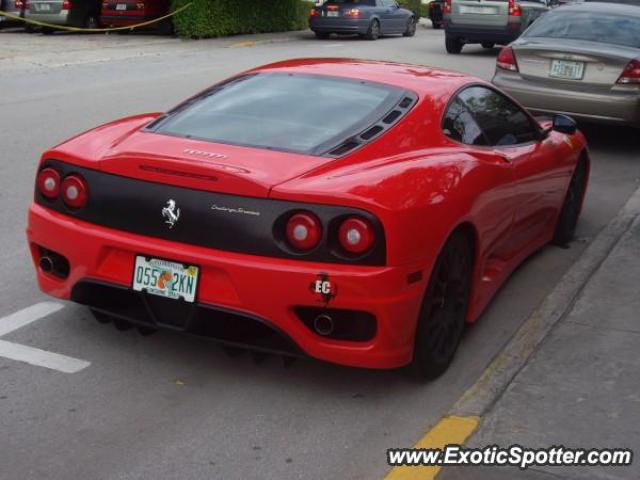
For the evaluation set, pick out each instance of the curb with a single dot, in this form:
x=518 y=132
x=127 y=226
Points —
x=481 y=396
x=465 y=417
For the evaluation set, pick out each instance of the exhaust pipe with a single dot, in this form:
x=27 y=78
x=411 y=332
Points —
x=323 y=325
x=46 y=264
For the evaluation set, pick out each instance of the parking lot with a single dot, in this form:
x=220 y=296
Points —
x=168 y=406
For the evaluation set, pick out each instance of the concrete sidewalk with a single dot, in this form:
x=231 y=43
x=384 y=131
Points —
x=581 y=388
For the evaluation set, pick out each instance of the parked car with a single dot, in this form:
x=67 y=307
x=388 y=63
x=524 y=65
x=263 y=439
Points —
x=435 y=13
x=354 y=211
x=488 y=22
x=581 y=59
x=368 y=18
x=15 y=7
x=72 y=13
x=122 y=13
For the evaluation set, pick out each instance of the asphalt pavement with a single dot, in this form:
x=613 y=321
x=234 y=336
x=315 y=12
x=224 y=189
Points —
x=168 y=406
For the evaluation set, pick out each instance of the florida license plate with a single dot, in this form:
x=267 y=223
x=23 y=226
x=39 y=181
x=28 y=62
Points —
x=166 y=279
x=121 y=6
x=566 y=69
x=332 y=14
x=44 y=7
x=478 y=10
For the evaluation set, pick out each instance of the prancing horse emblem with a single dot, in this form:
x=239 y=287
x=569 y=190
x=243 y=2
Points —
x=170 y=213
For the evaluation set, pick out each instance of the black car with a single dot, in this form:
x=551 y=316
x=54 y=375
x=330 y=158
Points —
x=368 y=18
x=435 y=13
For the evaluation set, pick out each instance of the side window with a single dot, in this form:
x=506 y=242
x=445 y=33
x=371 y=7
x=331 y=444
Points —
x=459 y=125
x=503 y=122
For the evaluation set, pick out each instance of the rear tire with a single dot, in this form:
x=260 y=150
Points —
x=91 y=22
x=488 y=45
x=444 y=308
x=374 y=31
x=47 y=30
x=436 y=25
x=453 y=45
x=410 y=31
x=322 y=35
x=568 y=218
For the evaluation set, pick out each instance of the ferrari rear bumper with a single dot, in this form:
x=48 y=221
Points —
x=279 y=295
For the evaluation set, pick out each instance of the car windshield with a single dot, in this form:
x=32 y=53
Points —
x=290 y=112
x=590 y=26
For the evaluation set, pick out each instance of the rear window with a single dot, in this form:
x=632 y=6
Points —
x=289 y=112
x=590 y=26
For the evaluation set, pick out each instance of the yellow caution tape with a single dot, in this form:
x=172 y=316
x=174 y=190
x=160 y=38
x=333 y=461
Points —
x=77 y=29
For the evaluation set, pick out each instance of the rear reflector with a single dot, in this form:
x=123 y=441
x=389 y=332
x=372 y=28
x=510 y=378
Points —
x=507 y=59
x=631 y=73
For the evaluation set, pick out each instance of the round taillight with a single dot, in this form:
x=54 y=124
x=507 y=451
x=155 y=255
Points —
x=74 y=191
x=303 y=231
x=49 y=183
x=356 y=235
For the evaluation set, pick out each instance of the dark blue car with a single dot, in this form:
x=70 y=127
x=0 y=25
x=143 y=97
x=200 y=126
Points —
x=367 y=18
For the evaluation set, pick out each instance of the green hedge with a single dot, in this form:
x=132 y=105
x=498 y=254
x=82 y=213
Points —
x=216 y=18
x=413 y=5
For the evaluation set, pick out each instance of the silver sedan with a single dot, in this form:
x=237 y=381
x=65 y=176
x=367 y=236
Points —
x=582 y=60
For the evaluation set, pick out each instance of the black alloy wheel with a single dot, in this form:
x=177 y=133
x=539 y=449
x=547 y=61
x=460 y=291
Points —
x=444 y=307
x=568 y=218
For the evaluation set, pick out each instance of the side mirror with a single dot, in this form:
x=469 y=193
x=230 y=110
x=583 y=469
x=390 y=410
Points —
x=564 y=124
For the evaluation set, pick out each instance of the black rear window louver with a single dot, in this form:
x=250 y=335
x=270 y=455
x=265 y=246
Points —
x=344 y=148
x=373 y=131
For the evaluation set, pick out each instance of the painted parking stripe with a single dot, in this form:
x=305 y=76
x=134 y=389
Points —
x=27 y=315
x=41 y=358
x=32 y=355
x=448 y=431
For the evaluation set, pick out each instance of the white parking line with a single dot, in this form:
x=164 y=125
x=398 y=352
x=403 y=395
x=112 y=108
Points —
x=27 y=315
x=31 y=355
x=41 y=358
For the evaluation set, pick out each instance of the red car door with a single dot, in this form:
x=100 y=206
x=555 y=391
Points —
x=538 y=174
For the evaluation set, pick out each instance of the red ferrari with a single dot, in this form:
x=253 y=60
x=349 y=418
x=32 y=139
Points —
x=357 y=212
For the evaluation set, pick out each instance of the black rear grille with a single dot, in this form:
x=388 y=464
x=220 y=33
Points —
x=208 y=321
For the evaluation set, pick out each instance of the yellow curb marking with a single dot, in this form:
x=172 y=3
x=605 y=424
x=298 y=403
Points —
x=449 y=430
x=243 y=44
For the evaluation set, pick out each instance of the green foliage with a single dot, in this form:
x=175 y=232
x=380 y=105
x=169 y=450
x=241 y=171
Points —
x=413 y=5
x=215 y=18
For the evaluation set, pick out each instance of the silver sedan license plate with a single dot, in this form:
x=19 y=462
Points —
x=566 y=69
x=166 y=279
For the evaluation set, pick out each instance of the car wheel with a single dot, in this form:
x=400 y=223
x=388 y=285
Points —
x=488 y=45
x=410 y=31
x=47 y=30
x=453 y=45
x=444 y=308
x=91 y=22
x=568 y=218
x=436 y=25
x=29 y=28
x=374 y=31
x=322 y=35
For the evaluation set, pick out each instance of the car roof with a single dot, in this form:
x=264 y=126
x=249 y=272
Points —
x=601 y=7
x=422 y=80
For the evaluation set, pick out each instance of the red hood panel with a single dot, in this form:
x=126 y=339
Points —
x=122 y=150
